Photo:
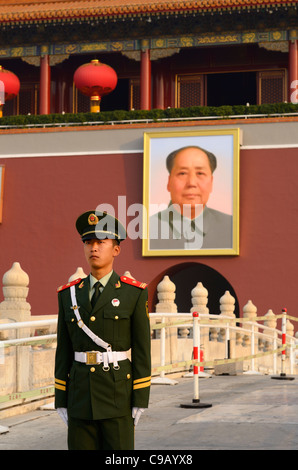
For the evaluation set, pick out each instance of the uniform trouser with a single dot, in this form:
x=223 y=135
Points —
x=104 y=434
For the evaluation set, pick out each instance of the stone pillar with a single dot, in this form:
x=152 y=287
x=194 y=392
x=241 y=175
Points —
x=249 y=312
x=166 y=296
x=289 y=328
x=15 y=291
x=79 y=274
x=271 y=322
x=15 y=308
x=227 y=307
x=127 y=274
x=199 y=300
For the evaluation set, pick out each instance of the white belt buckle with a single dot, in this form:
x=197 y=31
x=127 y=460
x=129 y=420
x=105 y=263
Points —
x=91 y=357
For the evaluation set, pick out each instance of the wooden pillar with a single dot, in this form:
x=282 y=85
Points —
x=158 y=89
x=61 y=97
x=145 y=79
x=45 y=85
x=293 y=71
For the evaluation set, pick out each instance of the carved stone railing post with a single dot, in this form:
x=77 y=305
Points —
x=249 y=312
x=290 y=332
x=15 y=290
x=127 y=274
x=227 y=305
x=15 y=308
x=270 y=322
x=227 y=308
x=289 y=328
x=166 y=293
x=199 y=300
x=79 y=274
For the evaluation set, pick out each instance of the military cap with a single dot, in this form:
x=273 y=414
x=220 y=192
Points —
x=101 y=225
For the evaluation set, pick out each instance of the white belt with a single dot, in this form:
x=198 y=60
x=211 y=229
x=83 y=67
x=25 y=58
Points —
x=97 y=357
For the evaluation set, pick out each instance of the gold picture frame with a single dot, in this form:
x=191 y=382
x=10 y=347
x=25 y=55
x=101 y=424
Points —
x=2 y=170
x=223 y=202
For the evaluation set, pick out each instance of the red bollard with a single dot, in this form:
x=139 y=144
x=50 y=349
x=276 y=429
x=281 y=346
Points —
x=196 y=341
x=201 y=360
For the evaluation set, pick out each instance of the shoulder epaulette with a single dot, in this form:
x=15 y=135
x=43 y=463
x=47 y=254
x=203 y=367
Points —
x=133 y=282
x=69 y=284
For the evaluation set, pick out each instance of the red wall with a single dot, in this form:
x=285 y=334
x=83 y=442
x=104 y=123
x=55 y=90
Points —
x=44 y=196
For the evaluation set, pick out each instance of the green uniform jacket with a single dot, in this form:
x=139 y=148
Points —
x=89 y=392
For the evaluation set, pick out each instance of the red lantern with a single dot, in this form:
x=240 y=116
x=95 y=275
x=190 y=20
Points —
x=95 y=80
x=9 y=86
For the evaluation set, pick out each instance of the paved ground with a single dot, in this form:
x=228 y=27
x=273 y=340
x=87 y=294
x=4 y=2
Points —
x=248 y=412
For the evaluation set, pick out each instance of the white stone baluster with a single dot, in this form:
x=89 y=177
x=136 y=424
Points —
x=290 y=351
x=271 y=322
x=250 y=313
x=79 y=274
x=227 y=308
x=166 y=293
x=199 y=299
x=15 y=290
x=16 y=308
x=127 y=274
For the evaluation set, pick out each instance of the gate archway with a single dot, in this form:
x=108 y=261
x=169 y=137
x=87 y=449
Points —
x=186 y=276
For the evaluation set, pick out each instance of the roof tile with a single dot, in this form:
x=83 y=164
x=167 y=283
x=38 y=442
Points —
x=22 y=10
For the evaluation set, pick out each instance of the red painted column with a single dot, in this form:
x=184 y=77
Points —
x=61 y=96
x=44 y=85
x=293 y=71
x=145 y=84
x=158 y=89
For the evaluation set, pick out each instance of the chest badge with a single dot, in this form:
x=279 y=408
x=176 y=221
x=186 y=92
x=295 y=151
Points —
x=115 y=302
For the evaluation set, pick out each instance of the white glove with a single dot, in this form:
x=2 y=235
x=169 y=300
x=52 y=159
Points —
x=62 y=412
x=136 y=414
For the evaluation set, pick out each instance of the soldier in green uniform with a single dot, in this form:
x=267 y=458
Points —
x=103 y=363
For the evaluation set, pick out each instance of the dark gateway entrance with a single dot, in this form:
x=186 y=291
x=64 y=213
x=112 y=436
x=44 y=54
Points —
x=232 y=89
x=186 y=276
